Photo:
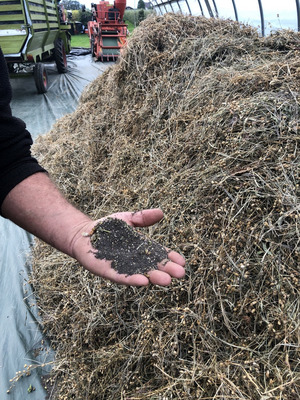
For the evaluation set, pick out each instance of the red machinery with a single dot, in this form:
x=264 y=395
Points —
x=107 y=31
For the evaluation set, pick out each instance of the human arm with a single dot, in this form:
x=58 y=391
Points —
x=16 y=162
x=36 y=205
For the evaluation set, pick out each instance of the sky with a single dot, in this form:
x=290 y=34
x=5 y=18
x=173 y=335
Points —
x=277 y=13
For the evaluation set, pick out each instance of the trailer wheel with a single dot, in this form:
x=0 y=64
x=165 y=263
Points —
x=60 y=56
x=11 y=68
x=41 y=78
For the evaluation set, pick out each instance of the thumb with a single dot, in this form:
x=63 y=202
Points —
x=146 y=217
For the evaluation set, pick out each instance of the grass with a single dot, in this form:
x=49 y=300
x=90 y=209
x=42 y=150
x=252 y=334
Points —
x=80 y=41
x=130 y=26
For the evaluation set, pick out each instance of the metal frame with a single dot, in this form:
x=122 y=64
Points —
x=187 y=3
x=213 y=12
x=200 y=6
x=262 y=20
x=216 y=10
x=298 y=14
x=210 y=12
x=235 y=10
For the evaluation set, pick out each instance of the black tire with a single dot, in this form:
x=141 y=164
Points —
x=60 y=56
x=40 y=78
x=11 y=68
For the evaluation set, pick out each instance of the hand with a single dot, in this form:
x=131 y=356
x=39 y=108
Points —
x=83 y=252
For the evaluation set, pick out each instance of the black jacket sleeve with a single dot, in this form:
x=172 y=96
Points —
x=16 y=162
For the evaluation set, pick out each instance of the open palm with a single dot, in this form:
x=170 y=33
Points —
x=85 y=254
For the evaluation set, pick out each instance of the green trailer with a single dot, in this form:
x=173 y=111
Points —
x=31 y=32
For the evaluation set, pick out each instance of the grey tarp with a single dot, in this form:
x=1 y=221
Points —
x=21 y=340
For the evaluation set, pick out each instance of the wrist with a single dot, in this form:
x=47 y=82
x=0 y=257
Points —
x=79 y=237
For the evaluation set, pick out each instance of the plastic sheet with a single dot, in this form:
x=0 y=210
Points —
x=22 y=342
x=40 y=111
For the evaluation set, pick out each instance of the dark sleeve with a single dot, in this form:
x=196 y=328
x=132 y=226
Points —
x=16 y=162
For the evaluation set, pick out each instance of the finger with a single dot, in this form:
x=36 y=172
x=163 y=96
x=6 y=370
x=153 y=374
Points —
x=140 y=218
x=125 y=216
x=128 y=280
x=159 y=278
x=132 y=280
x=176 y=257
x=173 y=269
x=146 y=217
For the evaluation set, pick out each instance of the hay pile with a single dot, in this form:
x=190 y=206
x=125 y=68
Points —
x=201 y=118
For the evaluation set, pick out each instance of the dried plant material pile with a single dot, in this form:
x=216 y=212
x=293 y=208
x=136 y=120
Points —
x=200 y=118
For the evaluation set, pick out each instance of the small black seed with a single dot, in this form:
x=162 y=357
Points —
x=129 y=251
